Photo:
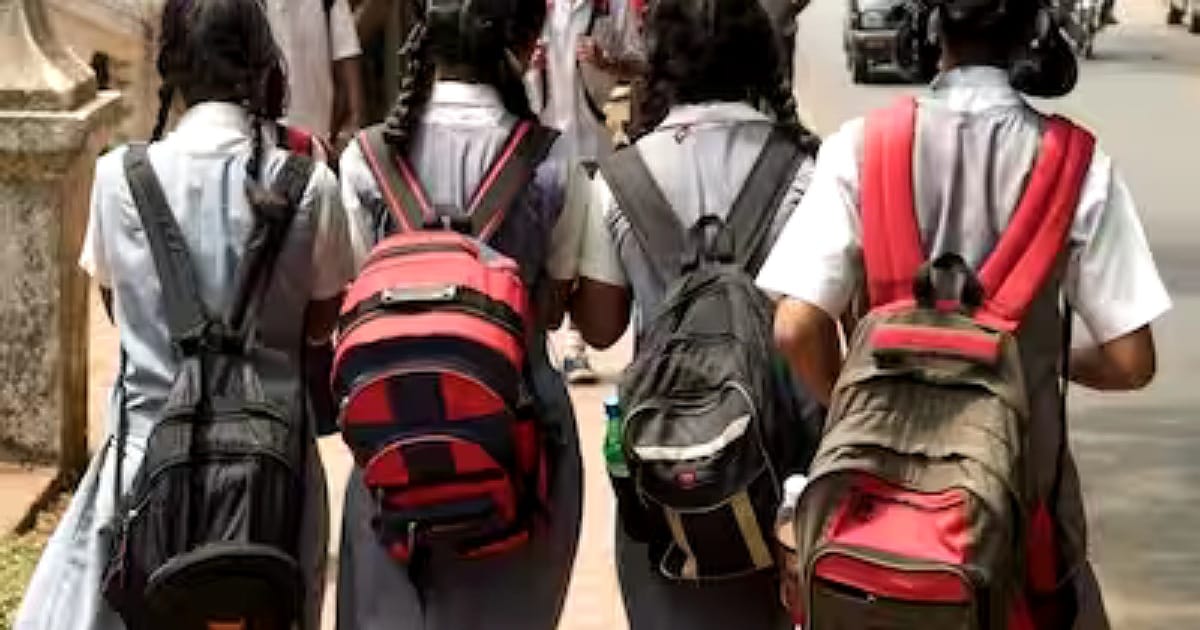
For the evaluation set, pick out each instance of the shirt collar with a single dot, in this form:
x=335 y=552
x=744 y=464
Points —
x=975 y=88
x=211 y=127
x=465 y=94
x=709 y=113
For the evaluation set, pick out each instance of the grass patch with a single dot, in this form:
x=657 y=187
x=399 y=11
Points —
x=18 y=557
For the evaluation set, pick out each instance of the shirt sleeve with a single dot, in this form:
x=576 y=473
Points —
x=343 y=33
x=93 y=258
x=332 y=258
x=599 y=258
x=358 y=181
x=566 y=241
x=818 y=256
x=1112 y=280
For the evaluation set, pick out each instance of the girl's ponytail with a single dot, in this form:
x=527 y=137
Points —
x=416 y=86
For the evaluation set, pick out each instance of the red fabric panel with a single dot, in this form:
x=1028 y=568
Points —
x=525 y=442
x=918 y=586
x=892 y=248
x=471 y=458
x=433 y=324
x=883 y=517
x=466 y=398
x=387 y=469
x=369 y=406
x=1037 y=233
x=977 y=346
x=498 y=278
x=299 y=141
x=499 y=490
x=1041 y=552
x=400 y=552
x=1020 y=617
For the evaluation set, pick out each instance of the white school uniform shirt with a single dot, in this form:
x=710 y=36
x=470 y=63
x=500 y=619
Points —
x=1111 y=281
x=310 y=44
x=565 y=105
x=201 y=166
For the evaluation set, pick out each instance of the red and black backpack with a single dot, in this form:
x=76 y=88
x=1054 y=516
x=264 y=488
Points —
x=430 y=364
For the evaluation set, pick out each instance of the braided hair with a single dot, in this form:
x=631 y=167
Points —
x=466 y=39
x=222 y=50
x=717 y=50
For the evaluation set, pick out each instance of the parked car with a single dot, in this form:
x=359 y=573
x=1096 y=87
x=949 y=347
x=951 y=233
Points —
x=1184 y=11
x=890 y=33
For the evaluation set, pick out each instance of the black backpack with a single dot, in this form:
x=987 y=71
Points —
x=209 y=530
x=712 y=420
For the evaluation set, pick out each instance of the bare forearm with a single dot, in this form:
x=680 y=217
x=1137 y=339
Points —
x=347 y=74
x=809 y=340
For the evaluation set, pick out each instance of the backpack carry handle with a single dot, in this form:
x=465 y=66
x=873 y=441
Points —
x=709 y=241
x=925 y=284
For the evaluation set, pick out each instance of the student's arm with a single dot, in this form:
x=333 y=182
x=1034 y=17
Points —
x=600 y=311
x=371 y=18
x=619 y=48
x=816 y=265
x=1114 y=285
x=808 y=338
x=346 y=58
x=596 y=296
x=333 y=261
x=1126 y=363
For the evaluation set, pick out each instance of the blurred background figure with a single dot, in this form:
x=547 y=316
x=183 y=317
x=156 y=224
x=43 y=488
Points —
x=319 y=40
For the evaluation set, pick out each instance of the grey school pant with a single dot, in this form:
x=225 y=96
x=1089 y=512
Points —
x=521 y=590
x=652 y=602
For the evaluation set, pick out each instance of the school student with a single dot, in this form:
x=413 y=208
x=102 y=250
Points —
x=218 y=56
x=462 y=100
x=976 y=142
x=324 y=60
x=587 y=47
x=712 y=63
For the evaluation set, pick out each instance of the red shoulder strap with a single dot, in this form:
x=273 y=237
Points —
x=510 y=173
x=1031 y=244
x=299 y=141
x=892 y=250
x=399 y=186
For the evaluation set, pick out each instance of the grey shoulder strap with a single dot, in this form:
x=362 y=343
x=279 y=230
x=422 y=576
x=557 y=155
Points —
x=186 y=317
x=657 y=229
x=758 y=202
x=272 y=222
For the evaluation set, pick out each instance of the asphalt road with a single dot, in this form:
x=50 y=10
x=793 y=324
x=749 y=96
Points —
x=1139 y=453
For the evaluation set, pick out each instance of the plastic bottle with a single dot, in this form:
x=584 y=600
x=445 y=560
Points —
x=614 y=455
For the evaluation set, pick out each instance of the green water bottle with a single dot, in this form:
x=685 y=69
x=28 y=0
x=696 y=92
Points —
x=614 y=455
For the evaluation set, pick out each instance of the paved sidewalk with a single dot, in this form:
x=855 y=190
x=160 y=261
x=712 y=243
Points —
x=594 y=600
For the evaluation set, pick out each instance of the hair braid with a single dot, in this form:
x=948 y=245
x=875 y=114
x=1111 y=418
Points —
x=166 y=96
x=416 y=86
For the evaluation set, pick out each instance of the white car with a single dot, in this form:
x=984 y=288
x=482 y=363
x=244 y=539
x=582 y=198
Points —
x=1184 y=11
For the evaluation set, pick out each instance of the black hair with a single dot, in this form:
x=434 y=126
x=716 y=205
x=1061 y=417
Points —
x=716 y=50
x=222 y=50
x=1021 y=36
x=466 y=39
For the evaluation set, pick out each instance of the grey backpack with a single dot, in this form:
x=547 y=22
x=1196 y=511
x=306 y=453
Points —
x=713 y=421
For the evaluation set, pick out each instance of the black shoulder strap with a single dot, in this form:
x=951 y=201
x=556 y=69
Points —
x=398 y=185
x=186 y=317
x=658 y=231
x=755 y=208
x=273 y=221
x=512 y=171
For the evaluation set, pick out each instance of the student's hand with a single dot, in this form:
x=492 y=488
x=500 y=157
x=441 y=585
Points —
x=588 y=51
x=537 y=60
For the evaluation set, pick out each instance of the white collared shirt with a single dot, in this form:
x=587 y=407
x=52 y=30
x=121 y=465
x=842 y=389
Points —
x=462 y=129
x=1112 y=281
x=199 y=164
x=700 y=156
x=311 y=42
x=569 y=84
